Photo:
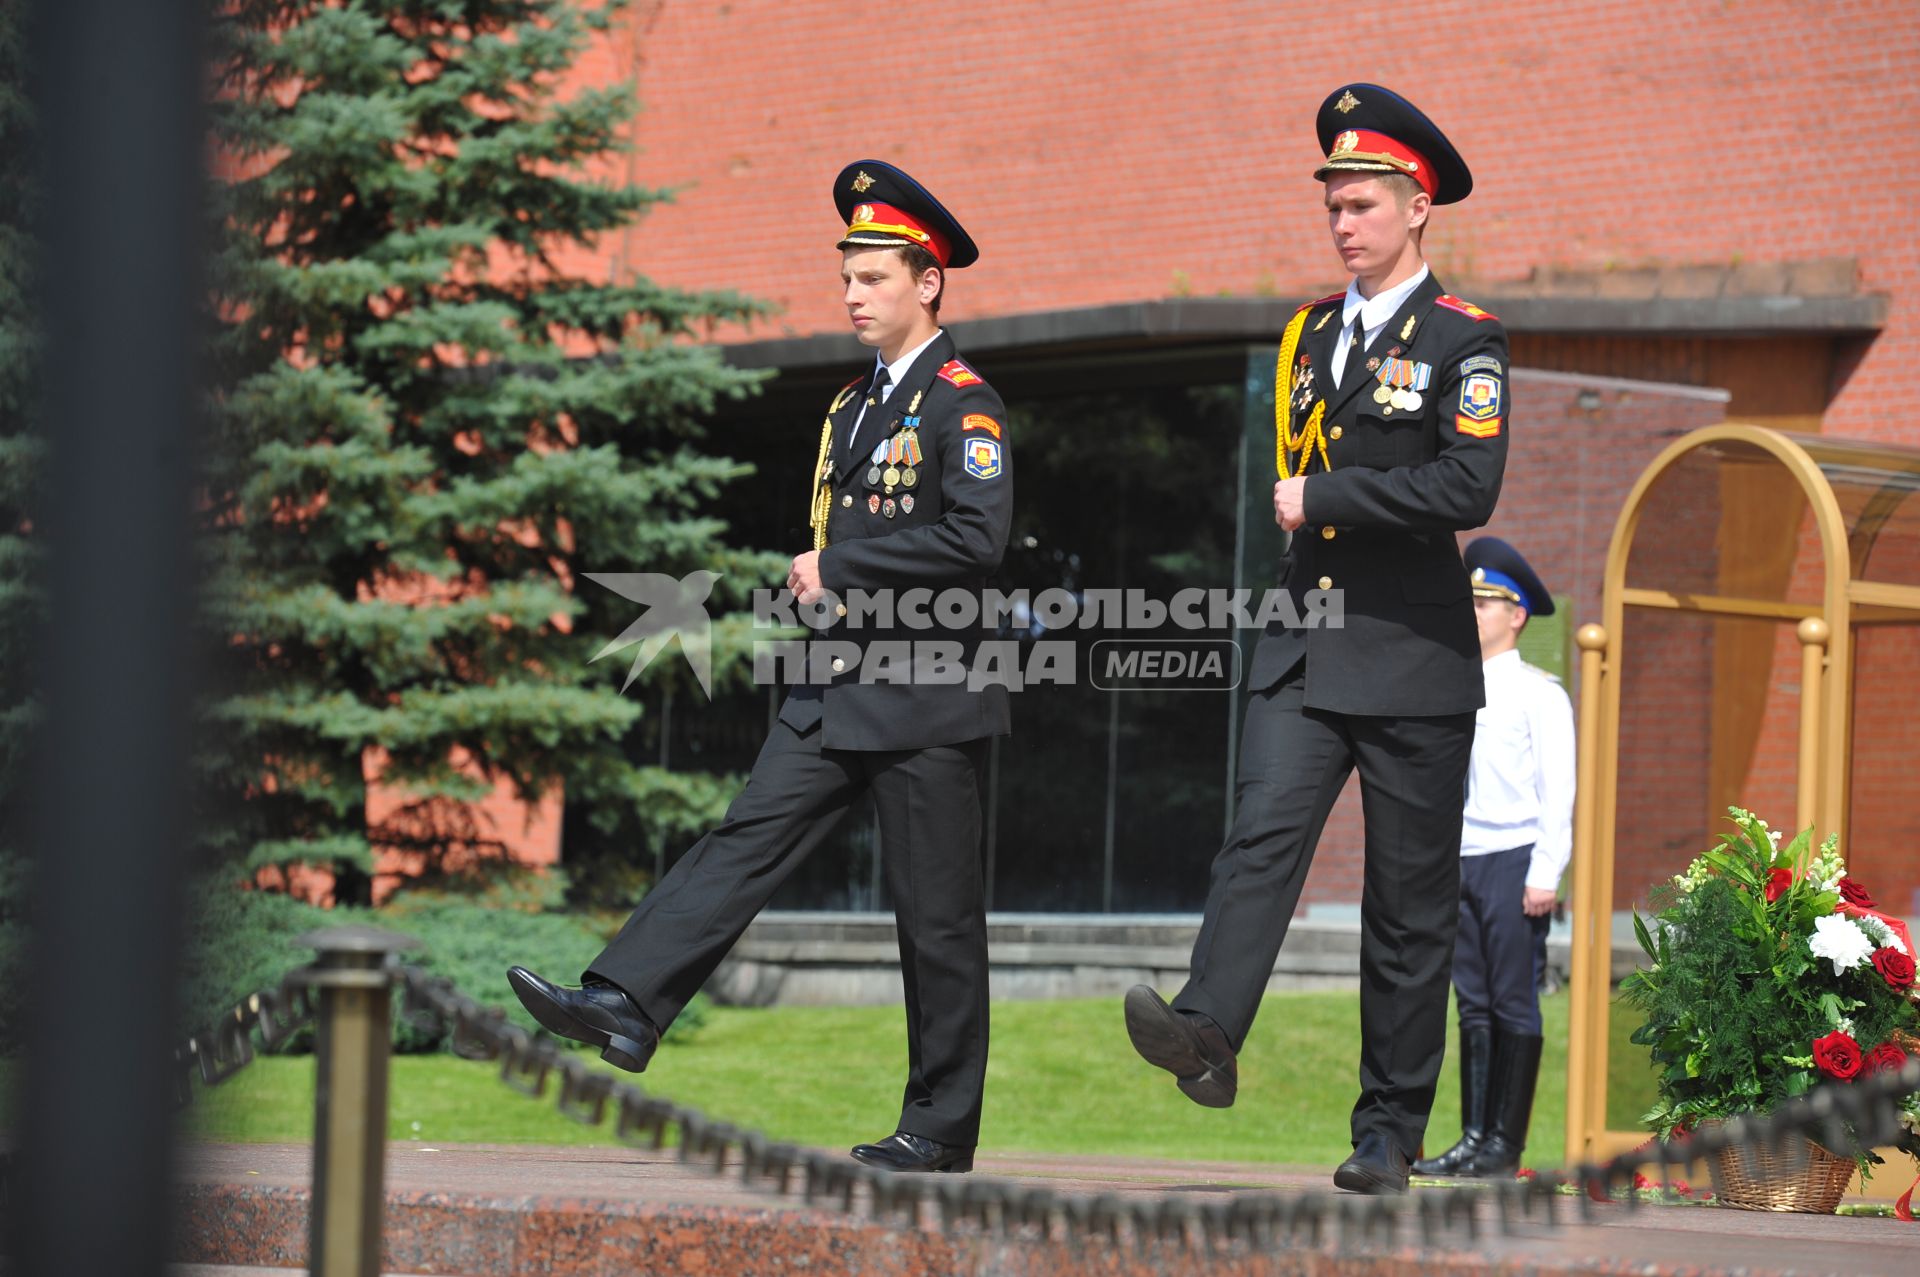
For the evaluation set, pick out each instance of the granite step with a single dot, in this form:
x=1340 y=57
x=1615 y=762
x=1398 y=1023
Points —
x=490 y=1211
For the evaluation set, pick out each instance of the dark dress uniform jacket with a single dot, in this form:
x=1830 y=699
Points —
x=953 y=538
x=1380 y=524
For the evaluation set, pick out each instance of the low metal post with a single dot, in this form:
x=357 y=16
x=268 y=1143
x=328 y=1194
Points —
x=353 y=975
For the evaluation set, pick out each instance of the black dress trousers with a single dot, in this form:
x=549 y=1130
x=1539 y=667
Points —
x=1294 y=761
x=928 y=802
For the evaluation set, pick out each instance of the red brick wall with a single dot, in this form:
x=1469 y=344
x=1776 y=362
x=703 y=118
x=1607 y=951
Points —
x=1883 y=839
x=1107 y=151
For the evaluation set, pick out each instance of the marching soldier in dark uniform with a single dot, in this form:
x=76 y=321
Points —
x=1390 y=437
x=912 y=487
x=1516 y=840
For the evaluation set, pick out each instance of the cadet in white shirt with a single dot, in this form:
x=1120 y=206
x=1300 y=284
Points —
x=1516 y=839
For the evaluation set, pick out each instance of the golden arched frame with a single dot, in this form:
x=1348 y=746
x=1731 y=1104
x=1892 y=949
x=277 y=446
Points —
x=1824 y=630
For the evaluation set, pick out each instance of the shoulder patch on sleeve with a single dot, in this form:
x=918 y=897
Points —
x=982 y=458
x=980 y=421
x=958 y=374
x=1466 y=308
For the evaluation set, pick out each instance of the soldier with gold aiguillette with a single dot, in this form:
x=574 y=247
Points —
x=1391 y=422
x=911 y=488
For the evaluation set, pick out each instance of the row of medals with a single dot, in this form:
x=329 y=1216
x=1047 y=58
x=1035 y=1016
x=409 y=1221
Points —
x=1396 y=386
x=904 y=446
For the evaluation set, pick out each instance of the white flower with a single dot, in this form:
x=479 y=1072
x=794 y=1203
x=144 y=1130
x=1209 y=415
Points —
x=1826 y=869
x=1839 y=940
x=1774 y=834
x=1880 y=931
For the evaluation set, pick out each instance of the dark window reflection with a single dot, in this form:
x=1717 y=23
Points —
x=1099 y=801
x=1114 y=801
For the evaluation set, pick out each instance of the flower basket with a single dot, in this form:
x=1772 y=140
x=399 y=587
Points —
x=1804 y=1177
x=1772 y=972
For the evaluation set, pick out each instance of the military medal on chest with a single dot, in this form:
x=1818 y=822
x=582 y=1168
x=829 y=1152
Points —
x=1303 y=384
x=891 y=475
x=910 y=454
x=1401 y=381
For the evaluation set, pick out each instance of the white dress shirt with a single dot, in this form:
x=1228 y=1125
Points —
x=895 y=371
x=1373 y=313
x=1520 y=778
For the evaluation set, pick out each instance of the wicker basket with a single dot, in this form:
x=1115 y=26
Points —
x=1811 y=1181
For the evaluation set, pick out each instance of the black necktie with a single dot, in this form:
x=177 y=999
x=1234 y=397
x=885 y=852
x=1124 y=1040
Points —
x=875 y=393
x=1353 y=356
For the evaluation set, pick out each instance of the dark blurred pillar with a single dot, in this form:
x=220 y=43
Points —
x=118 y=91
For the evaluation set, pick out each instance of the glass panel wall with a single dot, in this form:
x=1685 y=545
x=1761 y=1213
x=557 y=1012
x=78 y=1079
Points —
x=1132 y=475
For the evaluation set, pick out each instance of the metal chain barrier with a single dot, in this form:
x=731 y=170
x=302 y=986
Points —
x=221 y=1051
x=1016 y=1210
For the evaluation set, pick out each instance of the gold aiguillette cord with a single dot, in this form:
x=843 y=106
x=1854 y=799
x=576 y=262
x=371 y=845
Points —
x=1312 y=440
x=820 y=495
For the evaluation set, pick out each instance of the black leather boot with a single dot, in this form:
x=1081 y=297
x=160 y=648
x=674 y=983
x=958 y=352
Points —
x=1476 y=1062
x=597 y=1014
x=1516 y=1067
x=903 y=1152
x=1186 y=1044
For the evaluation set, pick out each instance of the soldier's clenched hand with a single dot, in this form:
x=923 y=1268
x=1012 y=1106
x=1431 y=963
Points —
x=1289 y=503
x=804 y=576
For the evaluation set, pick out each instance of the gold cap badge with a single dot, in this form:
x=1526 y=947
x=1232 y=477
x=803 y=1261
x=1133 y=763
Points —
x=1346 y=103
x=861 y=183
x=1346 y=142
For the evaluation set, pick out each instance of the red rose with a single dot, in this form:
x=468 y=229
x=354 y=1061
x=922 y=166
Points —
x=1855 y=894
x=1895 y=967
x=1884 y=1056
x=1838 y=1055
x=1777 y=883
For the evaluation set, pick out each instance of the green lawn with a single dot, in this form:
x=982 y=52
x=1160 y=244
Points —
x=1062 y=1079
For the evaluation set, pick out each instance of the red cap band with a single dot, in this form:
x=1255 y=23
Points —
x=898 y=224
x=1366 y=146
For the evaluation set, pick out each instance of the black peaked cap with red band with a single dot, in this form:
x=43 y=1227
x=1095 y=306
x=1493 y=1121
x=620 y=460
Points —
x=884 y=207
x=1364 y=128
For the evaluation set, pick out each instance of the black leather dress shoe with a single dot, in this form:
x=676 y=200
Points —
x=1192 y=1048
x=903 y=1152
x=1376 y=1167
x=599 y=1015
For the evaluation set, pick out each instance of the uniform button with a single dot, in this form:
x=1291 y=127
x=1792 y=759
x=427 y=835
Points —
x=839 y=665
x=840 y=609
x=846 y=501
x=1326 y=583
x=1326 y=534
x=1335 y=433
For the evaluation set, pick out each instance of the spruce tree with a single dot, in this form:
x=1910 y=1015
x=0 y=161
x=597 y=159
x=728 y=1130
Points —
x=429 y=422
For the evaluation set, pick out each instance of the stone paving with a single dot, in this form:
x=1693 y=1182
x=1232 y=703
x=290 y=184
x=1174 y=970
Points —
x=477 y=1210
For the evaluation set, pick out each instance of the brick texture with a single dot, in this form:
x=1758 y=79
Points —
x=1106 y=152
